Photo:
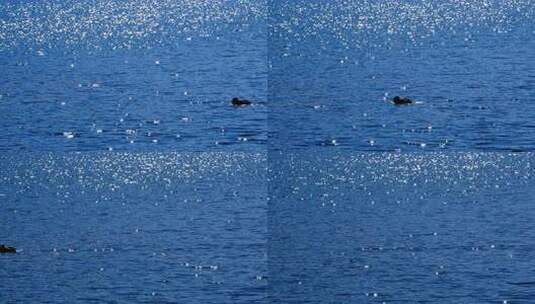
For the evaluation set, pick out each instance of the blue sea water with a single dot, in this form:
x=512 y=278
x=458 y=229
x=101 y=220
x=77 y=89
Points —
x=401 y=228
x=127 y=176
x=133 y=227
x=132 y=75
x=99 y=103
x=158 y=75
x=334 y=65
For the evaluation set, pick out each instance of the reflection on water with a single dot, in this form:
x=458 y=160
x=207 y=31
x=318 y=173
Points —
x=111 y=24
x=335 y=64
x=401 y=228
x=126 y=227
x=132 y=75
x=157 y=76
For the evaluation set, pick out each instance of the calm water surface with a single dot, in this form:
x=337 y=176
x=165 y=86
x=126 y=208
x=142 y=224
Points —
x=401 y=228
x=335 y=64
x=133 y=228
x=146 y=78
x=132 y=75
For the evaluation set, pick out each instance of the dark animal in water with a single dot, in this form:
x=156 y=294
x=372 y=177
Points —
x=7 y=249
x=240 y=102
x=402 y=100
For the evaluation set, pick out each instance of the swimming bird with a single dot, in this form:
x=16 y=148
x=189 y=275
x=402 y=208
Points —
x=7 y=249
x=240 y=102
x=401 y=100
